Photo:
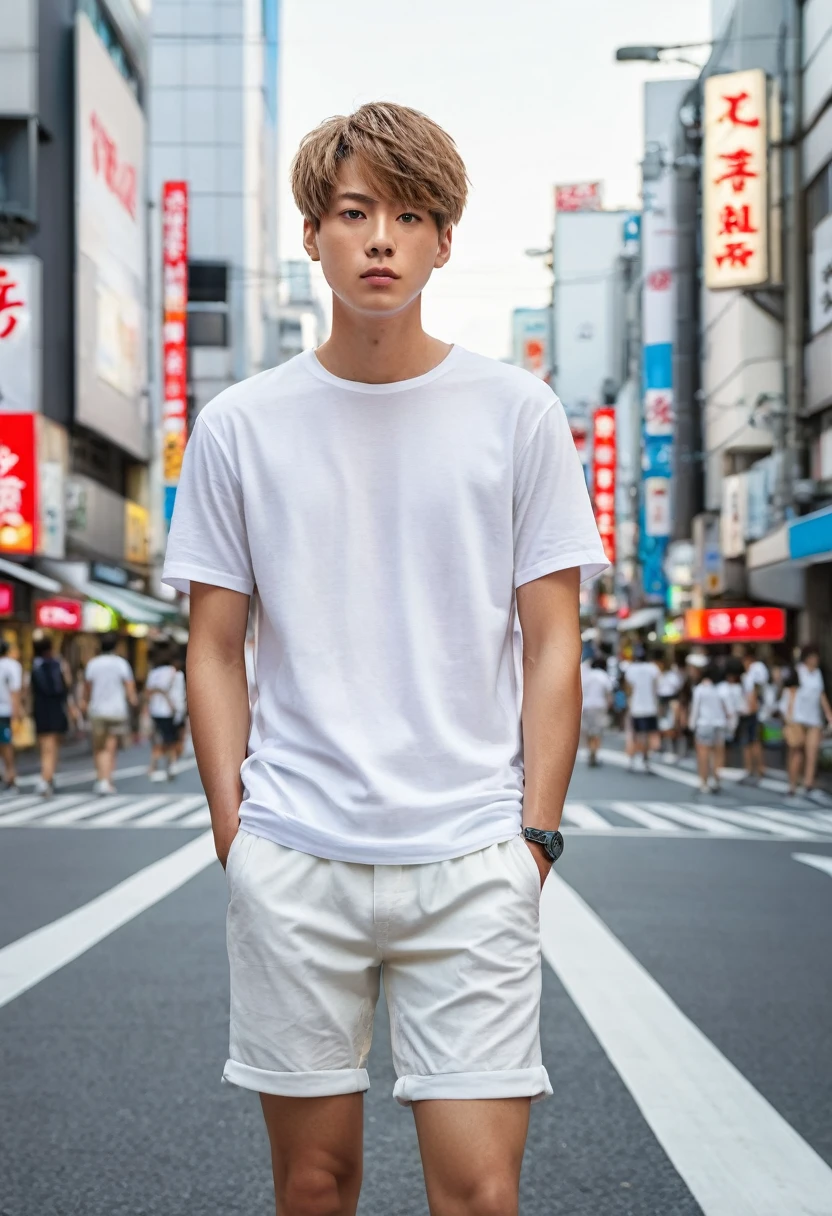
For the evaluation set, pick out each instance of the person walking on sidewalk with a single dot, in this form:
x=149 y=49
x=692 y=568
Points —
x=50 y=695
x=805 y=709
x=397 y=502
x=755 y=681
x=162 y=695
x=11 y=684
x=713 y=719
x=642 y=677
x=109 y=692
x=597 y=689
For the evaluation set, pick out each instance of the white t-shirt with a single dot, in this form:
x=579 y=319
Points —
x=669 y=682
x=734 y=696
x=807 y=707
x=386 y=527
x=107 y=674
x=643 y=679
x=597 y=687
x=711 y=706
x=11 y=680
x=166 y=680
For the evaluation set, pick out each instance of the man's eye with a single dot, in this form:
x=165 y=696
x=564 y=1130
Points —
x=353 y=214
x=409 y=218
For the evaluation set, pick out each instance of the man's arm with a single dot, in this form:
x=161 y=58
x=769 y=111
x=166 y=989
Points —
x=549 y=618
x=218 y=702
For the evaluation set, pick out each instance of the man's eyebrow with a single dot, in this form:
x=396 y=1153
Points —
x=353 y=197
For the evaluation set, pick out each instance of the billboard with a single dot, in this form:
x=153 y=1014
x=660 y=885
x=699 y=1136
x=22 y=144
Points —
x=735 y=625
x=18 y=484
x=735 y=180
x=110 y=339
x=578 y=196
x=174 y=336
x=603 y=477
x=20 y=333
x=532 y=340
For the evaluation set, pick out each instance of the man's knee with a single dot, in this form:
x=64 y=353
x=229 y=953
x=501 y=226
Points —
x=491 y=1196
x=313 y=1191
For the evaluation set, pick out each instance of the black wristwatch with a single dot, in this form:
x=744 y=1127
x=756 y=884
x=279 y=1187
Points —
x=552 y=841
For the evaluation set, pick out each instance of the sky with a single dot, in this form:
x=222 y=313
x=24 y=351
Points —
x=531 y=93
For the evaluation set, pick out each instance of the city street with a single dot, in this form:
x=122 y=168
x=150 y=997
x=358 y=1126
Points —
x=685 y=1018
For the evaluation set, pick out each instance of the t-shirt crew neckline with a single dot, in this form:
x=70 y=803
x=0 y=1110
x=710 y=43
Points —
x=317 y=369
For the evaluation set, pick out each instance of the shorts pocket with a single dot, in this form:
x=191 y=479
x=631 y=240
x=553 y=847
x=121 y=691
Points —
x=531 y=874
x=232 y=865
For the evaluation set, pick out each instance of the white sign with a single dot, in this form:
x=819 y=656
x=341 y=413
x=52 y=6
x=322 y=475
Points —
x=658 y=411
x=52 y=509
x=734 y=515
x=735 y=180
x=821 y=286
x=20 y=312
x=112 y=261
x=657 y=514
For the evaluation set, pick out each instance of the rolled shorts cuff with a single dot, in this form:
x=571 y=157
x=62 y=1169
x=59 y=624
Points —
x=509 y=1083
x=323 y=1084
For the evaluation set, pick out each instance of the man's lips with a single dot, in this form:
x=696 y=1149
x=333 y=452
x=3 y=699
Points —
x=379 y=272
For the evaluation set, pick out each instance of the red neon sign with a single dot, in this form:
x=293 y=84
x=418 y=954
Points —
x=6 y=599
x=603 y=477
x=59 y=614
x=18 y=484
x=174 y=347
x=735 y=625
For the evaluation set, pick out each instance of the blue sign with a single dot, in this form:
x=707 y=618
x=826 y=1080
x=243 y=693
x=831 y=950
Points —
x=812 y=535
x=170 y=499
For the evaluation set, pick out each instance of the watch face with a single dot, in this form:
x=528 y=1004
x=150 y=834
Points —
x=555 y=846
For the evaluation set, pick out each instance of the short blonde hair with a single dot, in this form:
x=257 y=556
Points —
x=405 y=154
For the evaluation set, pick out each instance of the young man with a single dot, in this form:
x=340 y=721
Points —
x=596 y=687
x=109 y=691
x=397 y=503
x=162 y=695
x=642 y=678
x=11 y=683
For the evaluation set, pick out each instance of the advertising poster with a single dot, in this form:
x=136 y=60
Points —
x=603 y=477
x=578 y=196
x=20 y=336
x=174 y=336
x=18 y=484
x=532 y=340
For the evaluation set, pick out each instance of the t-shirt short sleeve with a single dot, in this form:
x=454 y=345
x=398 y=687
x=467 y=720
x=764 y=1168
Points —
x=207 y=541
x=126 y=671
x=554 y=527
x=15 y=680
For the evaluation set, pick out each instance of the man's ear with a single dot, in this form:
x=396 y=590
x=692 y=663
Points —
x=310 y=240
x=444 y=251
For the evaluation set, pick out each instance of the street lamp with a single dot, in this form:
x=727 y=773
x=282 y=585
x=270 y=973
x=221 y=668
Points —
x=655 y=54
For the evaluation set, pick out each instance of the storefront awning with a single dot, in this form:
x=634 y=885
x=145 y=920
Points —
x=643 y=618
x=122 y=602
x=148 y=603
x=32 y=577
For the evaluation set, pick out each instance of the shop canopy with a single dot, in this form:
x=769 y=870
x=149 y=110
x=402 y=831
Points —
x=642 y=618
x=24 y=575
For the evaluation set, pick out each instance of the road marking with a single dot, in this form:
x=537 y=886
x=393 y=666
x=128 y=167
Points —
x=800 y=821
x=176 y=808
x=818 y=860
x=31 y=959
x=71 y=777
x=638 y=815
x=736 y=1154
x=83 y=811
x=127 y=812
x=579 y=815
x=41 y=806
x=197 y=819
x=750 y=815
x=695 y=819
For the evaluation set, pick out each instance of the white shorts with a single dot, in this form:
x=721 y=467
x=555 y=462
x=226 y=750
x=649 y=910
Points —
x=457 y=943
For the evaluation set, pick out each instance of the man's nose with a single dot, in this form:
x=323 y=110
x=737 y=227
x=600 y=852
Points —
x=381 y=240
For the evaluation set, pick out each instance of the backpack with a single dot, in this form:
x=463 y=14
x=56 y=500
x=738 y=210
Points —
x=48 y=679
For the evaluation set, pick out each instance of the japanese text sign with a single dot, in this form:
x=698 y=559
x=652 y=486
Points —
x=59 y=614
x=174 y=344
x=603 y=477
x=580 y=196
x=735 y=177
x=18 y=483
x=735 y=625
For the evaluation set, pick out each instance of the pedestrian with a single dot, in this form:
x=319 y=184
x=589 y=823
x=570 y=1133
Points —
x=712 y=720
x=668 y=688
x=50 y=697
x=181 y=714
x=755 y=683
x=805 y=707
x=597 y=689
x=11 y=684
x=162 y=697
x=109 y=694
x=732 y=689
x=398 y=503
x=642 y=678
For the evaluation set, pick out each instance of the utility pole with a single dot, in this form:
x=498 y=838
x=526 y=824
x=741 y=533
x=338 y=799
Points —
x=795 y=269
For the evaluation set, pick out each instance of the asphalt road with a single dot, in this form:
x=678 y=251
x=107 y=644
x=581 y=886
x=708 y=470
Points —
x=686 y=1011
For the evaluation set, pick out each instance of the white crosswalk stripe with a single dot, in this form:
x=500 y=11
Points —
x=680 y=821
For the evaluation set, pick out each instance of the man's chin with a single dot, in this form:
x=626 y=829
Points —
x=369 y=303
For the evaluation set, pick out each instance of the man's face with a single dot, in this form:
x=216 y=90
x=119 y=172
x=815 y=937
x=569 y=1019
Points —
x=377 y=254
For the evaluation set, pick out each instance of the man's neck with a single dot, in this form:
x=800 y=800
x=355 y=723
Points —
x=373 y=350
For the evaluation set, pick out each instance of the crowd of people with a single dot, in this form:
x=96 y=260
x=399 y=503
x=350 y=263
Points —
x=669 y=706
x=101 y=701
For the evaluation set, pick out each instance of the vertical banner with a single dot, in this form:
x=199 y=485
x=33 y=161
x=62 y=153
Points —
x=658 y=414
x=603 y=477
x=174 y=336
x=18 y=484
x=532 y=340
x=735 y=212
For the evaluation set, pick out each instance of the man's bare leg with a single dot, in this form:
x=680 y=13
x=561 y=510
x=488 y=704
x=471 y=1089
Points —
x=472 y=1152
x=317 y=1146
